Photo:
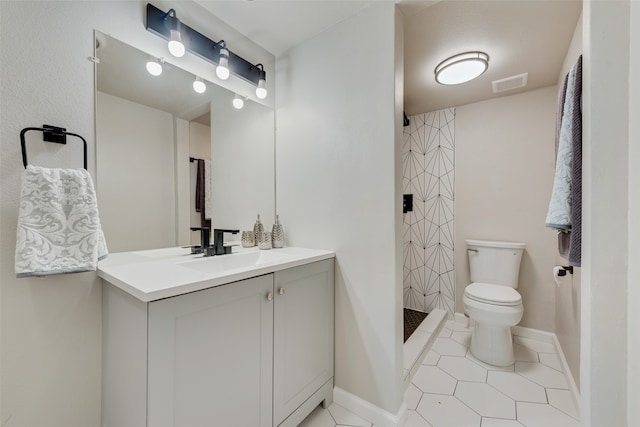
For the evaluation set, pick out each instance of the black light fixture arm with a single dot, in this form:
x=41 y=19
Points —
x=171 y=21
x=200 y=45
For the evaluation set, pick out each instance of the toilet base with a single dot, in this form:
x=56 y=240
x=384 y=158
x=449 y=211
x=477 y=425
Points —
x=492 y=344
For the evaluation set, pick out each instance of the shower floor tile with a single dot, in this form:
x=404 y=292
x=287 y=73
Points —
x=447 y=391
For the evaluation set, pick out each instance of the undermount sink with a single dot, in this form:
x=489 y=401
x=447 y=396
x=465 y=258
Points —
x=223 y=263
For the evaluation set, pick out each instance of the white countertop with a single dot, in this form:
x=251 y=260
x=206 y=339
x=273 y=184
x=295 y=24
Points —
x=162 y=273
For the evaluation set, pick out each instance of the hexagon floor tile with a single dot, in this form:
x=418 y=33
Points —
x=499 y=422
x=442 y=411
x=334 y=416
x=454 y=389
x=541 y=374
x=486 y=400
x=431 y=379
x=517 y=387
x=449 y=347
x=537 y=415
x=462 y=369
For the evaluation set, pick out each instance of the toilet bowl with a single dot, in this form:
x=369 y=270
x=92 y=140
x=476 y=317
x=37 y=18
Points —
x=494 y=309
x=491 y=300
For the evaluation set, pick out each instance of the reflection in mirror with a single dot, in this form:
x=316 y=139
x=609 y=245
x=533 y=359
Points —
x=153 y=132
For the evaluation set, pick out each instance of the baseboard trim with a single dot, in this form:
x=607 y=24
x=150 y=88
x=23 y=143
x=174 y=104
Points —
x=534 y=334
x=565 y=366
x=367 y=410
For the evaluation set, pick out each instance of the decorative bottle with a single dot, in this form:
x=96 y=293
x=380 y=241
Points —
x=258 y=228
x=277 y=235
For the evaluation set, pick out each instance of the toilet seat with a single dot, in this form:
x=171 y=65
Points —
x=488 y=293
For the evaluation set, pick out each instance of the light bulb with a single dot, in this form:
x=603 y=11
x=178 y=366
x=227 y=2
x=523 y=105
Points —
x=154 y=67
x=261 y=90
x=222 y=70
x=199 y=85
x=176 y=47
x=238 y=102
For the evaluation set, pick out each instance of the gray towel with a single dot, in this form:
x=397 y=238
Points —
x=575 y=251
x=564 y=237
x=559 y=213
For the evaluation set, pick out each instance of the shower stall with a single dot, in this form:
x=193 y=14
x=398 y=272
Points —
x=428 y=229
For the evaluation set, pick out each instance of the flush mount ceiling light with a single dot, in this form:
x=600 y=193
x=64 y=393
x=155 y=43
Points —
x=154 y=66
x=462 y=68
x=167 y=26
x=199 y=85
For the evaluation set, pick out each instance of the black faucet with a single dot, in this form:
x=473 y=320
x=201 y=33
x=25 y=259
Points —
x=204 y=240
x=218 y=247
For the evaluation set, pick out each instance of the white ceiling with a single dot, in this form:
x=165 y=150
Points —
x=519 y=35
x=279 y=25
x=524 y=36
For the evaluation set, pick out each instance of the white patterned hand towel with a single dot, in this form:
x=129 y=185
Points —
x=58 y=223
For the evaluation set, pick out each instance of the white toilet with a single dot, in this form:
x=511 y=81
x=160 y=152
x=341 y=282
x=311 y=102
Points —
x=491 y=300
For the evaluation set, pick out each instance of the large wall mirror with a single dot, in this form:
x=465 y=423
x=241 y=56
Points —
x=169 y=158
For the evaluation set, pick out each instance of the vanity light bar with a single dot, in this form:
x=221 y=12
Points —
x=202 y=46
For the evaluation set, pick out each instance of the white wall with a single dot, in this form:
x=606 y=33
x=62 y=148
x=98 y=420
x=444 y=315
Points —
x=633 y=300
x=504 y=175
x=337 y=188
x=51 y=328
x=199 y=140
x=567 y=324
x=244 y=187
x=183 y=182
x=606 y=276
x=136 y=153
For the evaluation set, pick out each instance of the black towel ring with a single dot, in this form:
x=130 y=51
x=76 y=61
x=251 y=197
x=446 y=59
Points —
x=51 y=134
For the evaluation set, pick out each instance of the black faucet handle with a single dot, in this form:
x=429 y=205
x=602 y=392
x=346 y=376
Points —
x=218 y=240
x=225 y=230
x=204 y=235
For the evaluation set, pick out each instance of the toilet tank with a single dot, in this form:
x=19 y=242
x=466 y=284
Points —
x=495 y=262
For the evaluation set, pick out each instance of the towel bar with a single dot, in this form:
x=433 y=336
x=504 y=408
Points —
x=51 y=134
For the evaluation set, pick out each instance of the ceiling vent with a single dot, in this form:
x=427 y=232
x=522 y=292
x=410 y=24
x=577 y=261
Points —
x=510 y=83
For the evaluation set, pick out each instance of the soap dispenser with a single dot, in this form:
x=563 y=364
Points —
x=258 y=229
x=277 y=235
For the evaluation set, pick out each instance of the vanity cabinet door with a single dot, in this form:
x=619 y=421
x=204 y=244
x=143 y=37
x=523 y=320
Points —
x=210 y=357
x=303 y=334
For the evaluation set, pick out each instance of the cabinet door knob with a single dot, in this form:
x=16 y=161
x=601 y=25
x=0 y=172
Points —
x=270 y=296
x=281 y=291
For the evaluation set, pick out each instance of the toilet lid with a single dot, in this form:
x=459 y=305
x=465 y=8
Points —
x=493 y=294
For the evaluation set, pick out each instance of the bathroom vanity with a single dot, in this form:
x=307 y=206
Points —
x=244 y=339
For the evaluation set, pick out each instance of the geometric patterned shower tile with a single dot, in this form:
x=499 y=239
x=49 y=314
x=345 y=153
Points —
x=428 y=232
